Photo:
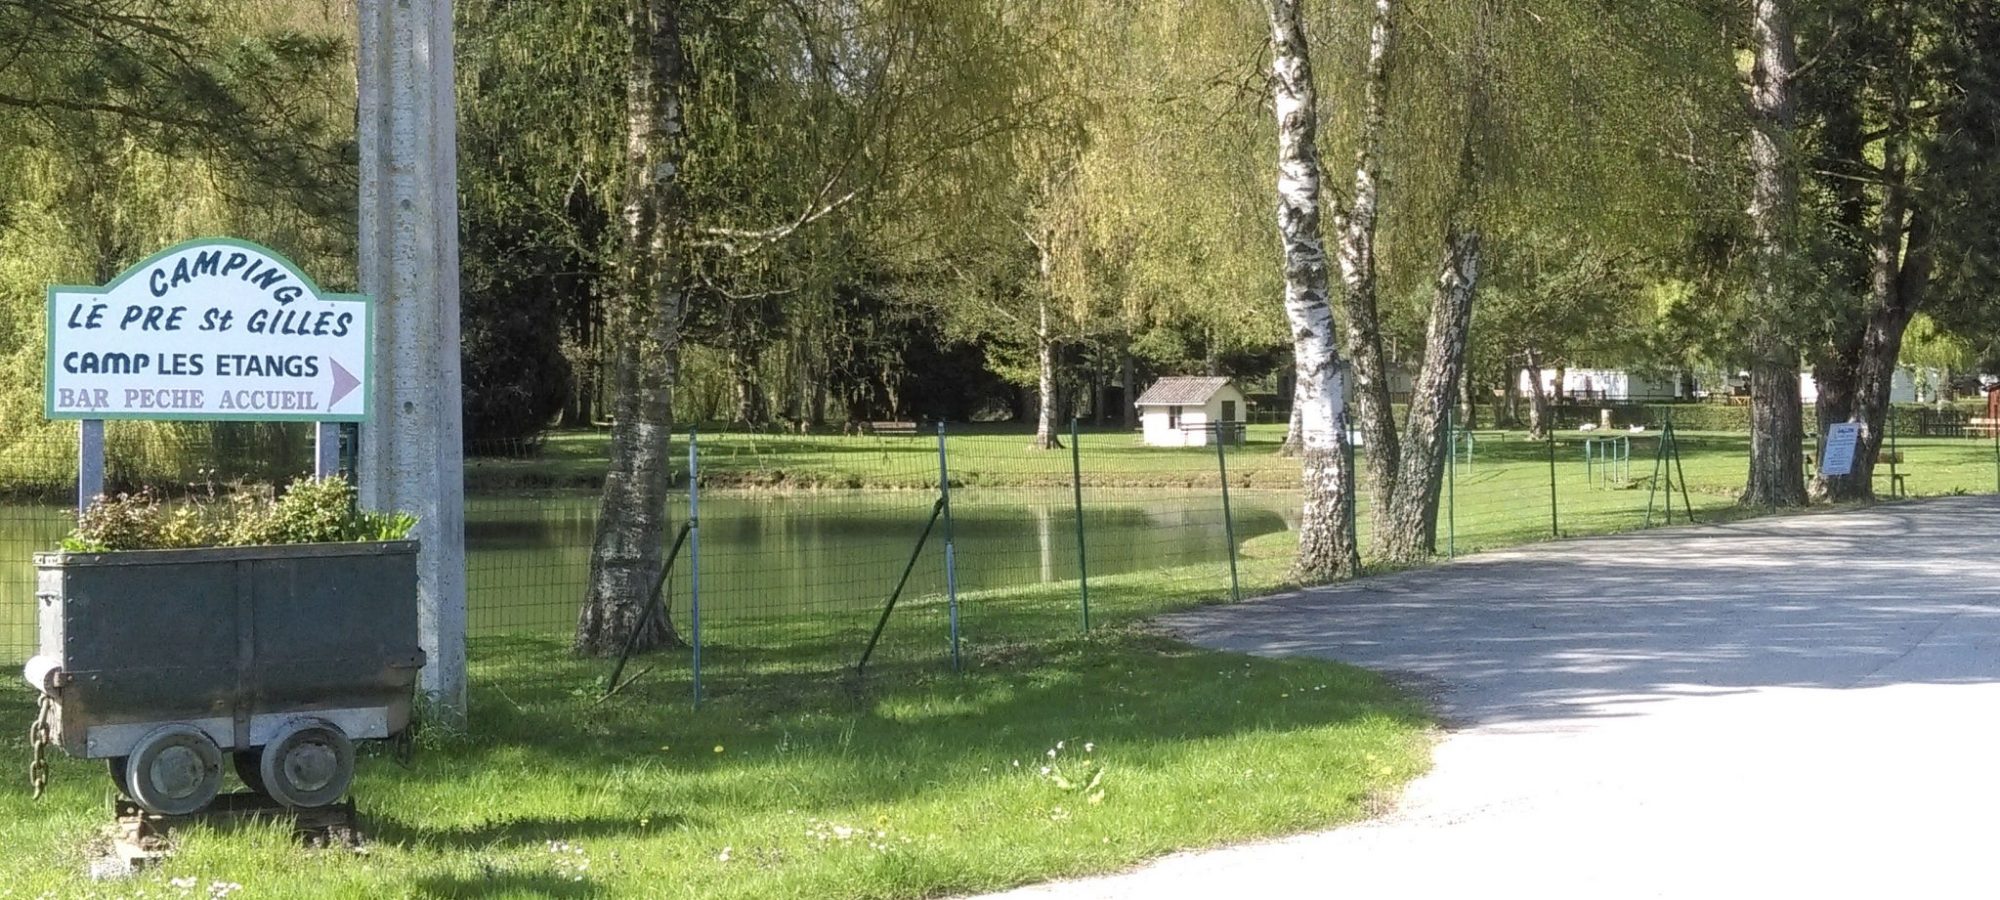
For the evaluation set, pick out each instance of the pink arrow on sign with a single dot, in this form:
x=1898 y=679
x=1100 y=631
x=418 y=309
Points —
x=344 y=382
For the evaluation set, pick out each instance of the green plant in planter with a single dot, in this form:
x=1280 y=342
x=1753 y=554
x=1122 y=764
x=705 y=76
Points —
x=310 y=511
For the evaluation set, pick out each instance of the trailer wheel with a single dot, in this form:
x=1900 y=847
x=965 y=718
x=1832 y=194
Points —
x=247 y=763
x=309 y=763
x=175 y=770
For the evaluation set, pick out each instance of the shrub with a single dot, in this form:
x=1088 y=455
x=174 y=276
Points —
x=310 y=511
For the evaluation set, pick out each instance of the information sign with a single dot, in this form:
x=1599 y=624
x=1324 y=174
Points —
x=214 y=329
x=1840 y=441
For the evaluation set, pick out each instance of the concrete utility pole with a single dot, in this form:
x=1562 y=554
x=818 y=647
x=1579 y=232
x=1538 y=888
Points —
x=411 y=454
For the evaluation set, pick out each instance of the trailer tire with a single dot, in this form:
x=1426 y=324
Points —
x=174 y=770
x=309 y=763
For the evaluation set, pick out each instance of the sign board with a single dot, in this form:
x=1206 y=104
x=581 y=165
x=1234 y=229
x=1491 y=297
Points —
x=215 y=329
x=1839 y=456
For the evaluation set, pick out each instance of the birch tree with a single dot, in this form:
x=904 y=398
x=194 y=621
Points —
x=1327 y=549
x=627 y=554
x=1356 y=226
x=894 y=103
x=1404 y=473
x=1493 y=119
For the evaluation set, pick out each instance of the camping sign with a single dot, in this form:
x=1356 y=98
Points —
x=214 y=329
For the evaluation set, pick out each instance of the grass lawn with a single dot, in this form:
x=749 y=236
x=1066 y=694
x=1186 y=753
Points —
x=791 y=783
x=983 y=456
x=799 y=779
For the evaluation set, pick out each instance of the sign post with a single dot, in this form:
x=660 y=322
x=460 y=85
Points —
x=216 y=330
x=411 y=457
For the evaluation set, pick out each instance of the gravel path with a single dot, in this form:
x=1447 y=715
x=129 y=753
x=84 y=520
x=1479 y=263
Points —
x=1796 y=707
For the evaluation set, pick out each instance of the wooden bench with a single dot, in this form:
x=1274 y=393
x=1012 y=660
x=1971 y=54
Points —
x=893 y=429
x=1898 y=481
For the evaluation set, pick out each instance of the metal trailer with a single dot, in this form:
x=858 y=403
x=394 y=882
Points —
x=164 y=661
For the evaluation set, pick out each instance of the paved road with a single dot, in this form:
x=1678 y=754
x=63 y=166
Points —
x=1796 y=707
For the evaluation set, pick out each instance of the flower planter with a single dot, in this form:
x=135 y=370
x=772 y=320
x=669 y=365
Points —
x=163 y=661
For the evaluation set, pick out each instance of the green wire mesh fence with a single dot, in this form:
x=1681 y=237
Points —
x=805 y=539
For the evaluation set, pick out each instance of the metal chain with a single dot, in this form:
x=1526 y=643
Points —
x=39 y=740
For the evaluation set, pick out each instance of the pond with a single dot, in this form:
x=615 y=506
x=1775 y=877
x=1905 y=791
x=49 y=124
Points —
x=773 y=554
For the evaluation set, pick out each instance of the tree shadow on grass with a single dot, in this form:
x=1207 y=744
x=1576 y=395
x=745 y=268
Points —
x=499 y=882
x=517 y=832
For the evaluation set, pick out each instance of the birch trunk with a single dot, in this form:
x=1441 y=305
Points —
x=1410 y=534
x=745 y=370
x=1294 y=424
x=626 y=556
x=1776 y=475
x=1375 y=418
x=1327 y=549
x=1129 y=411
x=1045 y=355
x=1045 y=388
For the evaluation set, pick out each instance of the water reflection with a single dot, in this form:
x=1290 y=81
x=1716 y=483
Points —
x=769 y=555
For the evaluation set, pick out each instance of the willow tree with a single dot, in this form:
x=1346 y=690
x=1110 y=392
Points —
x=126 y=126
x=1173 y=189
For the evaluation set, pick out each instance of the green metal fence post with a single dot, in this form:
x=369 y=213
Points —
x=916 y=552
x=1076 y=486
x=1555 y=523
x=1895 y=476
x=1451 y=490
x=694 y=553
x=1228 y=520
x=950 y=548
